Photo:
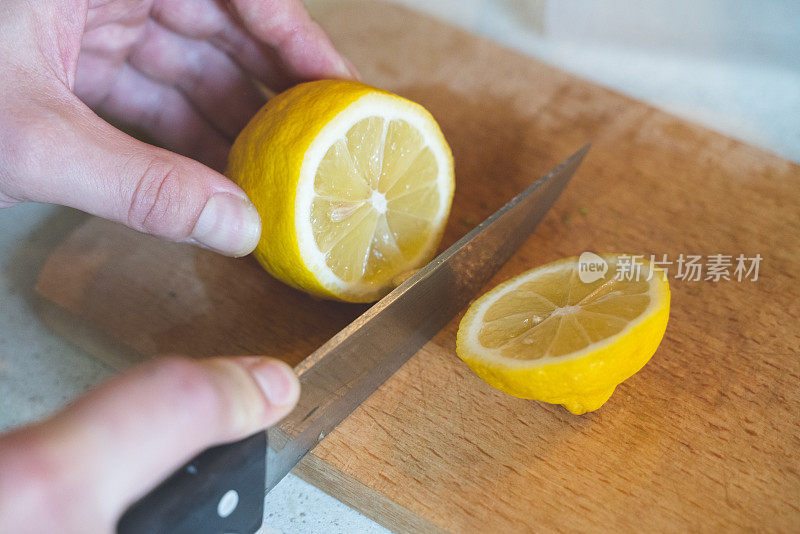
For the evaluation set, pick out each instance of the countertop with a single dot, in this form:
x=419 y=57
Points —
x=738 y=76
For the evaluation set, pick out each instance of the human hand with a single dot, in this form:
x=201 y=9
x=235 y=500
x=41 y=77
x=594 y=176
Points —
x=179 y=71
x=79 y=470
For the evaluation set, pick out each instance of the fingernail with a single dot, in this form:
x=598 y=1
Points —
x=228 y=224
x=277 y=381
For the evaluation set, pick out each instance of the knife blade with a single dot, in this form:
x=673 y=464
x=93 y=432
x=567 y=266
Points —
x=222 y=489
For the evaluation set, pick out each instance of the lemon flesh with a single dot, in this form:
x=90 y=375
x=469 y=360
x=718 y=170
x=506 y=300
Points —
x=353 y=185
x=376 y=199
x=549 y=336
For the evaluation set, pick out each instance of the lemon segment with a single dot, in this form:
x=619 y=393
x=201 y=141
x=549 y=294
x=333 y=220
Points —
x=549 y=336
x=353 y=184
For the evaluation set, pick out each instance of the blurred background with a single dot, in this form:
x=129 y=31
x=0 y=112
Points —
x=731 y=65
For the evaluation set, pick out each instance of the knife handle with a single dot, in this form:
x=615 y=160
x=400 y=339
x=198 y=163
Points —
x=220 y=490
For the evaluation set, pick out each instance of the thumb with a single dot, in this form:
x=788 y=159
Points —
x=65 y=154
x=79 y=470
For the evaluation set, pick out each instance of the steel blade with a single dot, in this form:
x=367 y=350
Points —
x=341 y=374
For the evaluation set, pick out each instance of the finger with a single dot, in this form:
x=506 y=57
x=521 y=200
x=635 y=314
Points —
x=113 y=445
x=209 y=20
x=96 y=73
x=111 y=39
x=104 y=13
x=302 y=45
x=166 y=115
x=258 y=59
x=209 y=79
x=63 y=153
x=198 y=19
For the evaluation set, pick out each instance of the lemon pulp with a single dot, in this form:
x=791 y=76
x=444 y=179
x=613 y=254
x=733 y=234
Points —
x=376 y=199
x=556 y=314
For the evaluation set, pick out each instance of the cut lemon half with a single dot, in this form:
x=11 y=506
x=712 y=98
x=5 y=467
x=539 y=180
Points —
x=353 y=185
x=551 y=336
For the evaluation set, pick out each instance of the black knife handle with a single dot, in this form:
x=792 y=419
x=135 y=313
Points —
x=220 y=490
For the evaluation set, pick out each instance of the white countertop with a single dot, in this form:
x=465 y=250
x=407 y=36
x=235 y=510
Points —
x=732 y=66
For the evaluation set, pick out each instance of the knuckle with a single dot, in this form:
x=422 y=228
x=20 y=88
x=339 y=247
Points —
x=192 y=75
x=157 y=201
x=241 y=406
x=219 y=390
x=186 y=385
x=215 y=391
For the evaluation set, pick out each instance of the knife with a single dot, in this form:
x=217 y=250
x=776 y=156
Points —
x=222 y=489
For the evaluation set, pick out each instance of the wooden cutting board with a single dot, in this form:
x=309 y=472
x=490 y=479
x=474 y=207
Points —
x=705 y=438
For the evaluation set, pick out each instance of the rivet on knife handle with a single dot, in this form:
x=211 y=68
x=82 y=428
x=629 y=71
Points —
x=220 y=490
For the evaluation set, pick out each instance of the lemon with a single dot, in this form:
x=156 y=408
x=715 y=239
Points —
x=353 y=185
x=551 y=336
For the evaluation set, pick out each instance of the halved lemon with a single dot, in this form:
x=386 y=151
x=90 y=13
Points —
x=548 y=335
x=353 y=185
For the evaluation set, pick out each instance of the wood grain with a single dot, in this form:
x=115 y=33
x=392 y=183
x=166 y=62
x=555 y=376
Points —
x=705 y=438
